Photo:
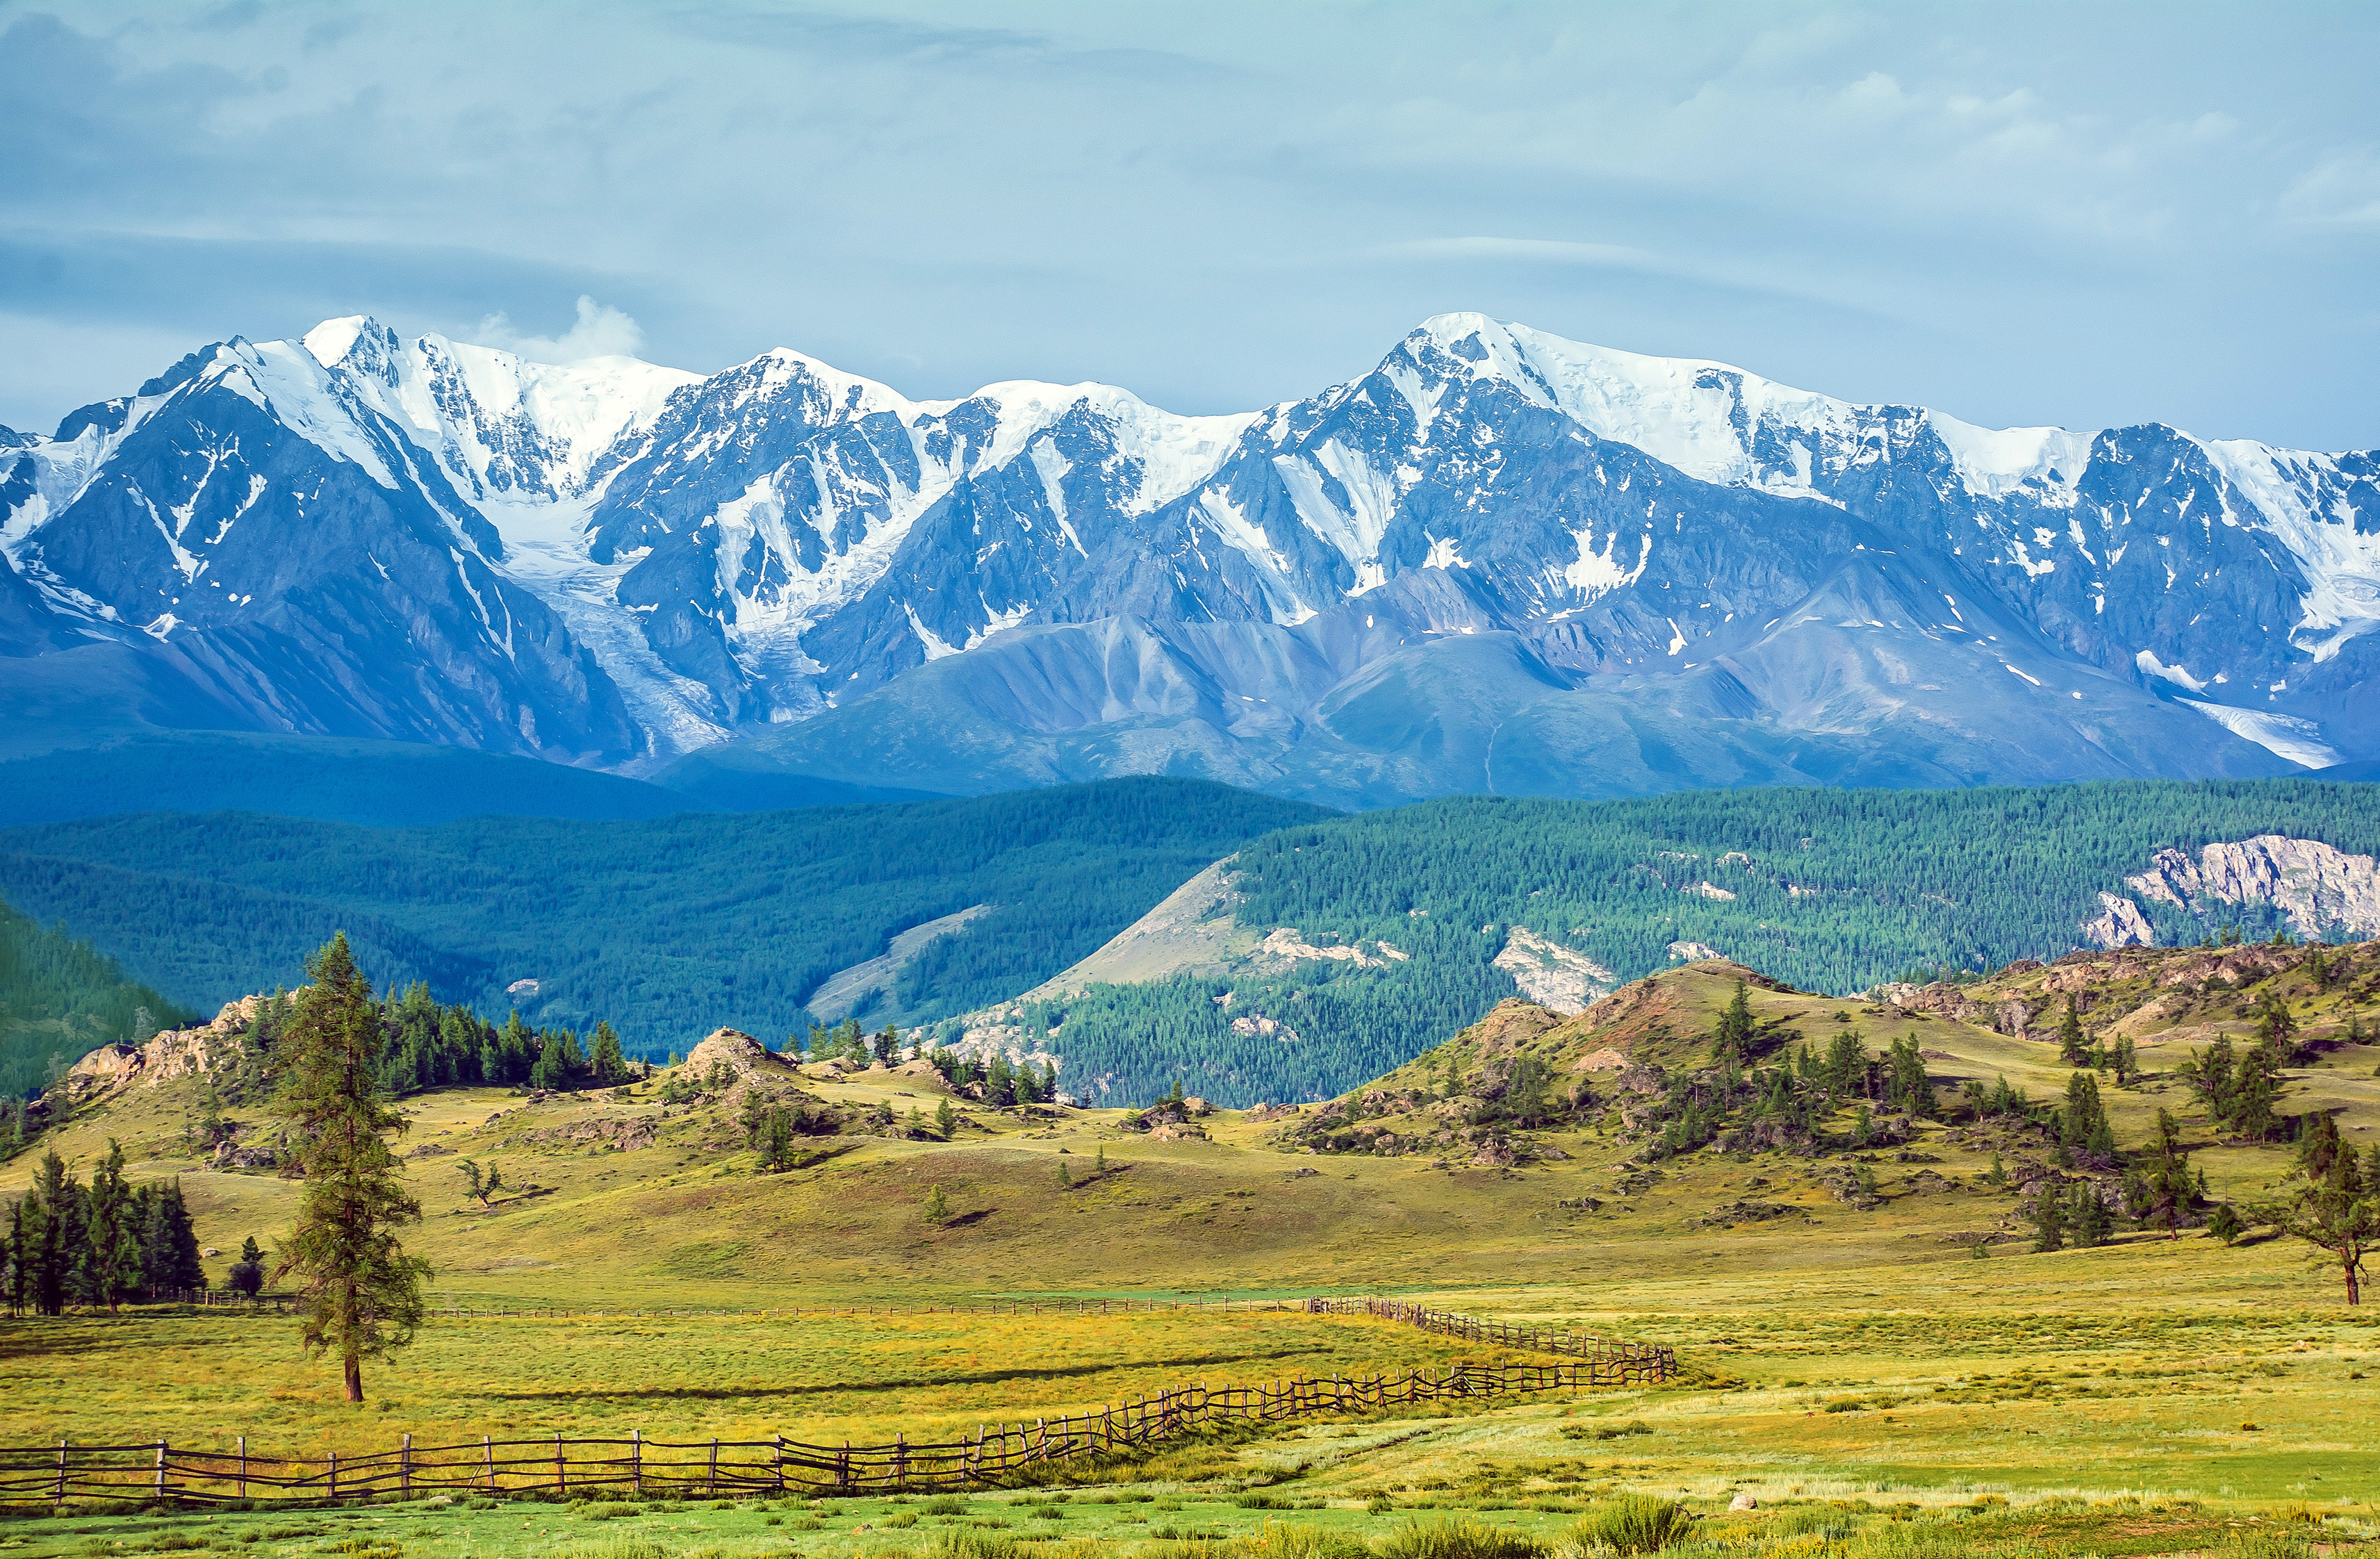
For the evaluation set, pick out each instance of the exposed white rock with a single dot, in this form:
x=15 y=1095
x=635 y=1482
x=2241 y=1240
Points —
x=1285 y=942
x=2119 y=923
x=1552 y=975
x=2316 y=885
x=1694 y=953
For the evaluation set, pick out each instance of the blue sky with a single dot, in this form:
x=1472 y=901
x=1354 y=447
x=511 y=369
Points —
x=2071 y=213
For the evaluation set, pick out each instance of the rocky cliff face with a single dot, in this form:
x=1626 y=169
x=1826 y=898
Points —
x=2322 y=890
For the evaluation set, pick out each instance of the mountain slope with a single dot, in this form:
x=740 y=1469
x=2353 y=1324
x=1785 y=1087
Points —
x=1500 y=562
x=1330 y=952
x=668 y=926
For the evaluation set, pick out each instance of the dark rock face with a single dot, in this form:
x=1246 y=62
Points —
x=1500 y=562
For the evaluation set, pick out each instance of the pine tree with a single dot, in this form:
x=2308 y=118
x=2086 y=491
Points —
x=938 y=1209
x=946 y=1119
x=16 y=1254
x=107 y=1271
x=1734 y=1038
x=2167 y=1188
x=2087 y=1216
x=169 y=1246
x=248 y=1273
x=2070 y=1034
x=360 y=1295
x=2254 y=1092
x=2336 y=1211
x=2225 y=1223
x=2127 y=1061
x=607 y=1064
x=2048 y=1221
x=481 y=1185
x=1064 y=1179
x=56 y=1237
x=2083 y=1129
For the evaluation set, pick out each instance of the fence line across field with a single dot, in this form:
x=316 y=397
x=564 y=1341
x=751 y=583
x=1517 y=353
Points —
x=54 y=1475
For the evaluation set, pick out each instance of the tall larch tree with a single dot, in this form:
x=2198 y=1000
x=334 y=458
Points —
x=358 y=1294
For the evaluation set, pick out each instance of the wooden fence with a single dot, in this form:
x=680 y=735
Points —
x=639 y=1467
x=717 y=1468
x=1501 y=1334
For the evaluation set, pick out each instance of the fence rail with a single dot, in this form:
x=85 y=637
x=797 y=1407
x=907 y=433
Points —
x=1471 y=1328
x=156 y=1470
x=715 y=1468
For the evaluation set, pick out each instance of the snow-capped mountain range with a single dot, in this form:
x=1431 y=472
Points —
x=1501 y=560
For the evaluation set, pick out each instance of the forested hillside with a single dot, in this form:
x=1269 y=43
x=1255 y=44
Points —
x=59 y=1000
x=1828 y=889
x=668 y=928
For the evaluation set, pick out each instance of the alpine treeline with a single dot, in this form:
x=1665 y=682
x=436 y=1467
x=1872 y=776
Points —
x=102 y=1244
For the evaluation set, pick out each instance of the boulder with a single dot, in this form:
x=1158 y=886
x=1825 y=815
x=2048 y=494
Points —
x=1743 y=1502
x=736 y=1050
x=924 y=1073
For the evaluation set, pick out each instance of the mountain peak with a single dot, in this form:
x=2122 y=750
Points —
x=331 y=341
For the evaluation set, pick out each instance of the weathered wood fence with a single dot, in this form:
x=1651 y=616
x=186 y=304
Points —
x=722 y=1469
x=1471 y=1328
x=639 y=1467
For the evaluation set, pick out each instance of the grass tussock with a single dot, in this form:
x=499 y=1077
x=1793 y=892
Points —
x=1632 y=1524
x=1457 y=1538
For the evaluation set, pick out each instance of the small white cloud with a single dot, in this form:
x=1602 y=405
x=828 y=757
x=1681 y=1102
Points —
x=2341 y=191
x=601 y=330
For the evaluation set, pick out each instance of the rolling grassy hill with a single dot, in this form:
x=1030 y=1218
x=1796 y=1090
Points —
x=1850 y=1360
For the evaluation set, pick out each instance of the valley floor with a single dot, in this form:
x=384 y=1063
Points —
x=1857 y=1369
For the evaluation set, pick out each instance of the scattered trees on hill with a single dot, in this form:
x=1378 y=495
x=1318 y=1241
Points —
x=101 y=1244
x=360 y=1295
x=2240 y=1092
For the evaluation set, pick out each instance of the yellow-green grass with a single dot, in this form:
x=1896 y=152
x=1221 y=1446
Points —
x=1957 y=1379
x=199 y=1379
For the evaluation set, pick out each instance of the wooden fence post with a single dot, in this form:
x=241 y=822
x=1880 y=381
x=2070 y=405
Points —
x=243 y=1466
x=560 y=1478
x=488 y=1452
x=710 y=1485
x=637 y=1461
x=405 y=1466
x=334 y=1477
x=61 y=1499
x=161 y=1469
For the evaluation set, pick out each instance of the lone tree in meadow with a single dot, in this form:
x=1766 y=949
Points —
x=358 y=1293
x=2333 y=1204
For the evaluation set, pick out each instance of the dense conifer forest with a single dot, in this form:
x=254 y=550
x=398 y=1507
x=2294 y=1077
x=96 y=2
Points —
x=669 y=927
x=59 y=999
x=1827 y=890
